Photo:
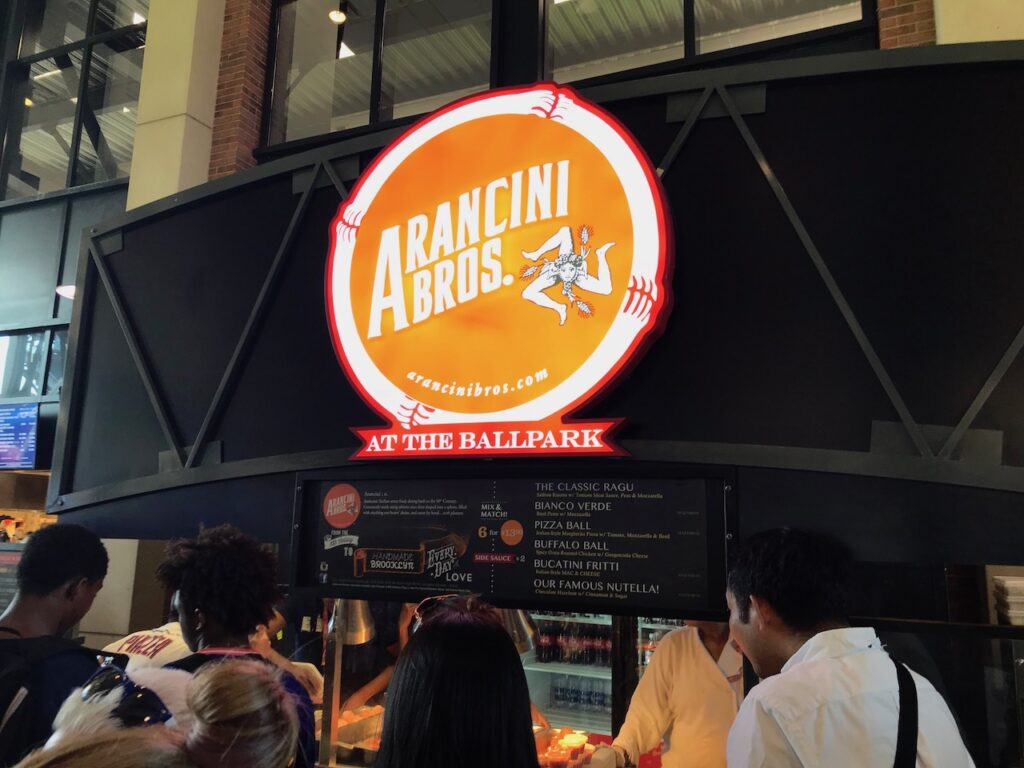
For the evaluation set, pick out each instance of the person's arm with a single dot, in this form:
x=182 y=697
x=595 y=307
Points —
x=371 y=689
x=756 y=740
x=307 y=675
x=649 y=715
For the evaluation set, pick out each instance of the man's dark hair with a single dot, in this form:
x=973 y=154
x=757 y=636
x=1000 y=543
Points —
x=56 y=554
x=225 y=574
x=804 y=576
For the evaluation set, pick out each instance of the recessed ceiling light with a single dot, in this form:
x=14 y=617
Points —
x=29 y=102
x=74 y=99
x=67 y=291
x=44 y=75
x=138 y=18
x=560 y=1
x=344 y=51
x=125 y=110
x=338 y=17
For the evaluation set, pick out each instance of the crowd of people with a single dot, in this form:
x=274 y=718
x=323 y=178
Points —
x=208 y=689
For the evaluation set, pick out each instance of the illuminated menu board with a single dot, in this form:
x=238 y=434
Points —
x=18 y=436
x=612 y=544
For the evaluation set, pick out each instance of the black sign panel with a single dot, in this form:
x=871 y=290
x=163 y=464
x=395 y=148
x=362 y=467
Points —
x=618 y=545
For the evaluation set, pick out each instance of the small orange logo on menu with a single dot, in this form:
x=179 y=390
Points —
x=341 y=506
x=495 y=268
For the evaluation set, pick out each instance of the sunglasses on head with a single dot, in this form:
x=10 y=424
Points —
x=456 y=603
x=138 y=705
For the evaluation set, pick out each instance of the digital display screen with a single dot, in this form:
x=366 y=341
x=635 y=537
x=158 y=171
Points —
x=18 y=426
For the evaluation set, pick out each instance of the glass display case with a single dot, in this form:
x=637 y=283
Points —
x=570 y=670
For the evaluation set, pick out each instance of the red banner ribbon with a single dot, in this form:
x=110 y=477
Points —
x=549 y=438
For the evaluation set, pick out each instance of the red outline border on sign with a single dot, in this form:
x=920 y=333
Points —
x=663 y=276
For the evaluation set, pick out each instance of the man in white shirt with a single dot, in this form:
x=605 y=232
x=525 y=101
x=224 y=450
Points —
x=687 y=696
x=828 y=694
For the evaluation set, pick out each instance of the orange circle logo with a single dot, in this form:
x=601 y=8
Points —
x=498 y=263
x=341 y=506
x=511 y=532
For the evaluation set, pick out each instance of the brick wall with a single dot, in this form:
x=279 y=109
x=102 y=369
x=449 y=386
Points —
x=906 y=23
x=243 y=67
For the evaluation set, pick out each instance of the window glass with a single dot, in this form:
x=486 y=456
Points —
x=114 y=14
x=86 y=211
x=725 y=24
x=434 y=52
x=22 y=359
x=110 y=111
x=30 y=240
x=41 y=126
x=323 y=69
x=53 y=23
x=58 y=355
x=588 y=38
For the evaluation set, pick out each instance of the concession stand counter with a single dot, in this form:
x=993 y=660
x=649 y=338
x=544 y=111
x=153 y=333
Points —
x=567 y=347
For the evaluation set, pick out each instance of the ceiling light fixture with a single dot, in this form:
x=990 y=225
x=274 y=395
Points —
x=44 y=75
x=344 y=51
x=29 y=102
x=67 y=291
x=338 y=17
x=138 y=18
x=74 y=99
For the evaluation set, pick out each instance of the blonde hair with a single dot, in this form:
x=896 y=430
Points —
x=130 y=748
x=244 y=716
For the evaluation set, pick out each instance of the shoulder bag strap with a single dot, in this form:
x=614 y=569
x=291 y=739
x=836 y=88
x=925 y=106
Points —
x=906 y=734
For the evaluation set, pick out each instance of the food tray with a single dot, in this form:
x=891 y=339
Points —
x=1014 y=618
x=1013 y=586
x=1009 y=602
x=351 y=744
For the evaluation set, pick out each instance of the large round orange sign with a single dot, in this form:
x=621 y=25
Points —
x=499 y=263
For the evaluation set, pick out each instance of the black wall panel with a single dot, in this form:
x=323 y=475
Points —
x=907 y=179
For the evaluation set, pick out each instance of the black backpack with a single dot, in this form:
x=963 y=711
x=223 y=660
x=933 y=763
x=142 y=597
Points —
x=17 y=700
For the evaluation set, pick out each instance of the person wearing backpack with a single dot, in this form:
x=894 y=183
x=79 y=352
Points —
x=62 y=568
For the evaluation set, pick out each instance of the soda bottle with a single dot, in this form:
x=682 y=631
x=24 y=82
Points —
x=597 y=696
x=607 y=697
x=560 y=652
x=572 y=644
x=585 y=689
x=544 y=642
x=558 y=691
x=574 y=693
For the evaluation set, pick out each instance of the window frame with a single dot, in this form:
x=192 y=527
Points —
x=525 y=37
x=14 y=69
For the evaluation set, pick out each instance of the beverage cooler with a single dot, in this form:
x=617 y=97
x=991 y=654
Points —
x=570 y=670
x=589 y=573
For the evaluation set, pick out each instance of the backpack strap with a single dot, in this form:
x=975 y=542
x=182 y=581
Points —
x=906 y=732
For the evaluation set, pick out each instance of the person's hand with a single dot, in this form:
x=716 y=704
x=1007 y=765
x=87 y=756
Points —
x=538 y=716
x=259 y=640
x=310 y=678
x=356 y=700
x=606 y=756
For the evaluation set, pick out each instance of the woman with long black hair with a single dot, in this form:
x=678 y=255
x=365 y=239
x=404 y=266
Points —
x=458 y=698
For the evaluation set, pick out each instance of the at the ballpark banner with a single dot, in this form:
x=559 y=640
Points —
x=497 y=267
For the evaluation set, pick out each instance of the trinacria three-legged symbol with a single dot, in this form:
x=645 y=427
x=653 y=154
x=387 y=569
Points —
x=570 y=269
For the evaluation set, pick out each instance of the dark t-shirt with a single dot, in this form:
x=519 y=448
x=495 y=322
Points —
x=306 y=753
x=52 y=681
